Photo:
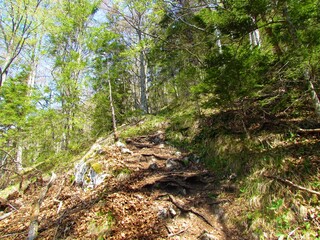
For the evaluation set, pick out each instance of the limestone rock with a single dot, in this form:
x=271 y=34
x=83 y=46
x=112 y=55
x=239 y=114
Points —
x=207 y=236
x=172 y=164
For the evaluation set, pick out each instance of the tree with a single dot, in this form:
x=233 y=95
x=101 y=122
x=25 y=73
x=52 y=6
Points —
x=17 y=23
x=136 y=15
x=67 y=40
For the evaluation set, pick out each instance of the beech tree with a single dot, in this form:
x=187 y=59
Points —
x=17 y=23
x=136 y=15
x=67 y=47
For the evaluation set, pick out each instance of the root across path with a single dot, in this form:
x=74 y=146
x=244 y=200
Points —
x=155 y=191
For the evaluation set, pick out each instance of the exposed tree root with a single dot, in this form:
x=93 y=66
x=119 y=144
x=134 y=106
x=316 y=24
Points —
x=185 y=209
x=156 y=156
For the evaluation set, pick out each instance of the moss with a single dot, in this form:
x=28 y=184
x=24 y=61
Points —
x=97 y=167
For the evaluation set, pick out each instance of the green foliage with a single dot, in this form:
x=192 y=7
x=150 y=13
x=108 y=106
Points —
x=146 y=125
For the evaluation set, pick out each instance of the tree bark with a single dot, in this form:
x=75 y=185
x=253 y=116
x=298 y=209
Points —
x=143 y=78
x=19 y=157
x=114 y=122
x=314 y=95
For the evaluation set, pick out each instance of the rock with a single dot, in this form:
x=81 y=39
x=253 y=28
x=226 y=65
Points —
x=172 y=164
x=89 y=174
x=120 y=144
x=178 y=154
x=207 y=236
x=80 y=172
x=161 y=145
x=126 y=150
x=303 y=212
x=153 y=166
x=163 y=213
x=172 y=212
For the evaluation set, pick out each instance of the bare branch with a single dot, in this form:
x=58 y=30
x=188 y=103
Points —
x=287 y=182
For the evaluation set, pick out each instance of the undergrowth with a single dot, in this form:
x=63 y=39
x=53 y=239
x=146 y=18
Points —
x=257 y=150
x=255 y=143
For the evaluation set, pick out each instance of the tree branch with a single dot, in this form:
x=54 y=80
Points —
x=287 y=182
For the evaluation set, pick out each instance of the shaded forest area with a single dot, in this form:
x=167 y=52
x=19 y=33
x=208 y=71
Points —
x=233 y=82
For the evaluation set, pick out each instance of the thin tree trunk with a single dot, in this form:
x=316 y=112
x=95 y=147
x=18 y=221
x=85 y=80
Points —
x=314 y=95
x=3 y=77
x=218 y=42
x=254 y=36
x=19 y=157
x=273 y=40
x=113 y=114
x=143 y=79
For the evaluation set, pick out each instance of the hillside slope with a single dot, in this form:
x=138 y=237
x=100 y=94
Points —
x=153 y=191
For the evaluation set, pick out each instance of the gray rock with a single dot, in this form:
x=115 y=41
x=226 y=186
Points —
x=163 y=213
x=178 y=154
x=172 y=164
x=126 y=150
x=172 y=212
x=120 y=144
x=207 y=236
x=153 y=166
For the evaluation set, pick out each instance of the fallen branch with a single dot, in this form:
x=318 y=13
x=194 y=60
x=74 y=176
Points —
x=56 y=197
x=183 y=208
x=178 y=233
x=60 y=204
x=34 y=225
x=287 y=182
x=315 y=130
x=6 y=215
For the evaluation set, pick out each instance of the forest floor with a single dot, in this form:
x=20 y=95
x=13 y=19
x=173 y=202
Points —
x=154 y=192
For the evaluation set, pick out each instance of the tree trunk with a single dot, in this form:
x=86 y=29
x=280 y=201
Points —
x=113 y=114
x=273 y=40
x=143 y=79
x=19 y=158
x=314 y=95
x=218 y=41
x=3 y=77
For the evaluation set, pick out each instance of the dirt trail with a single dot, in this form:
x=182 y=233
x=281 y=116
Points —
x=156 y=192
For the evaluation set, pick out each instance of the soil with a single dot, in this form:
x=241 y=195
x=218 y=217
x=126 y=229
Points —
x=155 y=192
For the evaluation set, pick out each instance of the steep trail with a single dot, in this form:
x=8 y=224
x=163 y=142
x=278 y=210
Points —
x=155 y=192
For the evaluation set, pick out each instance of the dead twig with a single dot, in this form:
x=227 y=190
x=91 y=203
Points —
x=287 y=182
x=178 y=233
x=314 y=130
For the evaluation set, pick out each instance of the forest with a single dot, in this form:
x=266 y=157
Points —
x=231 y=85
